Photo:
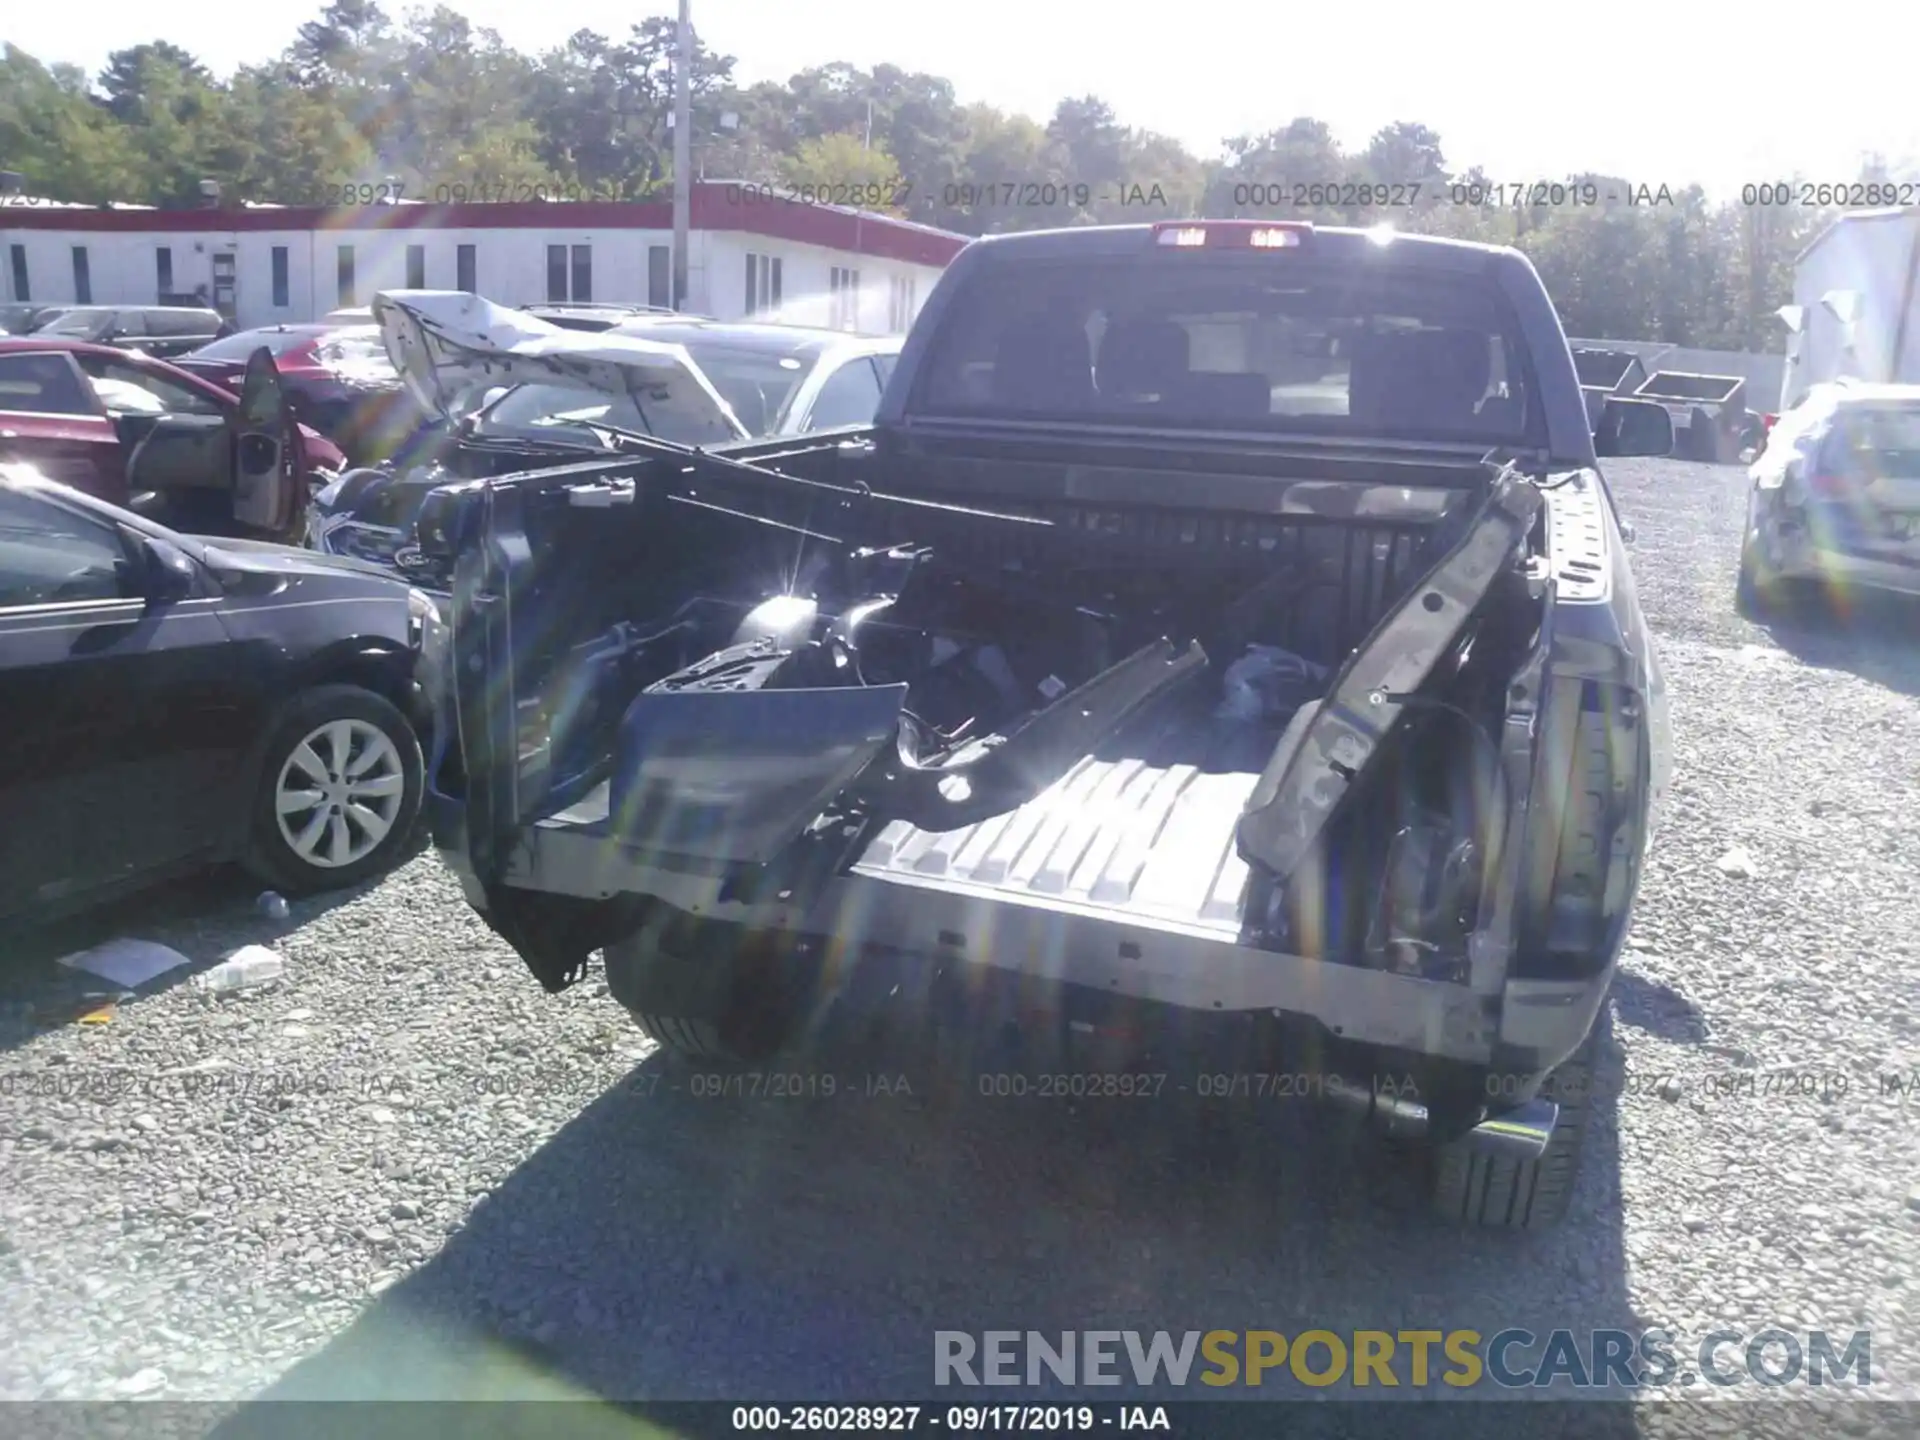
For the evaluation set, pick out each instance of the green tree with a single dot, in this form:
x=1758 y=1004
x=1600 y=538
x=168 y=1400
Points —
x=54 y=133
x=834 y=161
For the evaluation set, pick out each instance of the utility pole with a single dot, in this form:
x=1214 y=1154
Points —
x=682 y=150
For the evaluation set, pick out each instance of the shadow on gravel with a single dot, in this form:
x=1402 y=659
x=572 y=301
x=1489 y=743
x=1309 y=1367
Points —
x=37 y=994
x=1658 y=1010
x=669 y=1246
x=1876 y=636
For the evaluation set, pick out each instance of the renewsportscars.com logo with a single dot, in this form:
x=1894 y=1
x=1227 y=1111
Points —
x=1510 y=1359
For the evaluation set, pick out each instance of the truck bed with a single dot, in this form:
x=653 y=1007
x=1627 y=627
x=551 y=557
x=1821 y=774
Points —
x=1126 y=838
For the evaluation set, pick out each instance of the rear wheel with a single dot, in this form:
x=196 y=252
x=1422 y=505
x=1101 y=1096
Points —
x=714 y=994
x=1501 y=1193
x=1757 y=591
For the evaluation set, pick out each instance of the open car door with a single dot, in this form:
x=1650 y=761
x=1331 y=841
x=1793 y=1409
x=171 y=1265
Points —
x=269 y=470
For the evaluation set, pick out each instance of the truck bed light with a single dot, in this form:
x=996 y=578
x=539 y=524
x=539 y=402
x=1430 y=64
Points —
x=1232 y=234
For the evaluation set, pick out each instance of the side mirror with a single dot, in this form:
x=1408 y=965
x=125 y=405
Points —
x=167 y=574
x=1633 y=427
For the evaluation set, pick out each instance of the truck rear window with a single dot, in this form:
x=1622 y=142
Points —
x=1234 y=342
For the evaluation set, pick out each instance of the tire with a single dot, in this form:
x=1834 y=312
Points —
x=1499 y=1193
x=384 y=776
x=700 y=1000
x=1756 y=593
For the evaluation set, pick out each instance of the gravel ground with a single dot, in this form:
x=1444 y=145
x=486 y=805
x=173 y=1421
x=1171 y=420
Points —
x=406 y=1170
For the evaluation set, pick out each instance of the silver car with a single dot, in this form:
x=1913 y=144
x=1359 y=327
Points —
x=1835 y=502
x=781 y=379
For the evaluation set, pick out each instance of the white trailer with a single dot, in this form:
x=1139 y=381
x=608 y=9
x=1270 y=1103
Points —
x=1856 y=304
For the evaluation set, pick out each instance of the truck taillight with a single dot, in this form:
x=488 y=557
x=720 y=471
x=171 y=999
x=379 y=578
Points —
x=1232 y=234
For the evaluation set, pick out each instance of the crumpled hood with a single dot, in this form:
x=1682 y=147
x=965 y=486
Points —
x=444 y=342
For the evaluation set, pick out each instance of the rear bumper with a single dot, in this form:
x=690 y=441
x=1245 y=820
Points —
x=1529 y=1026
x=1800 y=544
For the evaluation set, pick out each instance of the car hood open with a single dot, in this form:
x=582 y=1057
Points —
x=446 y=342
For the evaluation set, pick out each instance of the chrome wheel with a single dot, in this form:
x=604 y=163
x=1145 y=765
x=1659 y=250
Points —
x=339 y=793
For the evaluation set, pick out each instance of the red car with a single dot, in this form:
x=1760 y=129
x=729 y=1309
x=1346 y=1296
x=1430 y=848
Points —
x=144 y=434
x=337 y=378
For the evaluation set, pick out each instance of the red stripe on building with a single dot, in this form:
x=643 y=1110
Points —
x=715 y=207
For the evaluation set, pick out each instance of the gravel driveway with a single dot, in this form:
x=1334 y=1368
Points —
x=404 y=1169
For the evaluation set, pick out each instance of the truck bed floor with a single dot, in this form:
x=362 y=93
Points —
x=1120 y=840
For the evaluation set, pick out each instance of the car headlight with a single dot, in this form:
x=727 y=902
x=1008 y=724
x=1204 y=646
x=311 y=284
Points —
x=428 y=633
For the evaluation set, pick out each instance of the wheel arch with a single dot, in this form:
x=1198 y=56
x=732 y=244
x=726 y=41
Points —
x=369 y=663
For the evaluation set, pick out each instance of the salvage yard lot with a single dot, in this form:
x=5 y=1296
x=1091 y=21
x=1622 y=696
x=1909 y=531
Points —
x=405 y=1168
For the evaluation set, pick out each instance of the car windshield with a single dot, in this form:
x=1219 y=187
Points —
x=757 y=380
x=241 y=347
x=559 y=407
x=1234 y=341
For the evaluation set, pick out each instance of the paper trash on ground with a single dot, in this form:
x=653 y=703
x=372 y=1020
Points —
x=127 y=963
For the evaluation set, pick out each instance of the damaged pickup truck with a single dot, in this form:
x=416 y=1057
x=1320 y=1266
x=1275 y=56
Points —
x=1223 y=638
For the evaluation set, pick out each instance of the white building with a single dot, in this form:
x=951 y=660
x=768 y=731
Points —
x=748 y=253
x=1856 y=303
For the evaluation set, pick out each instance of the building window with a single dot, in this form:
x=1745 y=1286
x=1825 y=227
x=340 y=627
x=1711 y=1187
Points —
x=582 y=272
x=163 y=272
x=763 y=283
x=82 y=277
x=344 y=275
x=900 y=304
x=660 y=275
x=556 y=273
x=416 y=267
x=20 y=289
x=281 y=288
x=465 y=270
x=843 y=289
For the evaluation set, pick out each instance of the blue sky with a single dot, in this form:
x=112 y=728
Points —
x=1661 y=93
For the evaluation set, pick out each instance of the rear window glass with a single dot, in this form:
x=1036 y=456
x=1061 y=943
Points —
x=43 y=385
x=1878 y=443
x=1259 y=342
x=241 y=347
x=359 y=351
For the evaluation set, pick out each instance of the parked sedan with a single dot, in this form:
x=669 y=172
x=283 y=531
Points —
x=141 y=433
x=1835 y=499
x=338 y=380
x=162 y=330
x=171 y=701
